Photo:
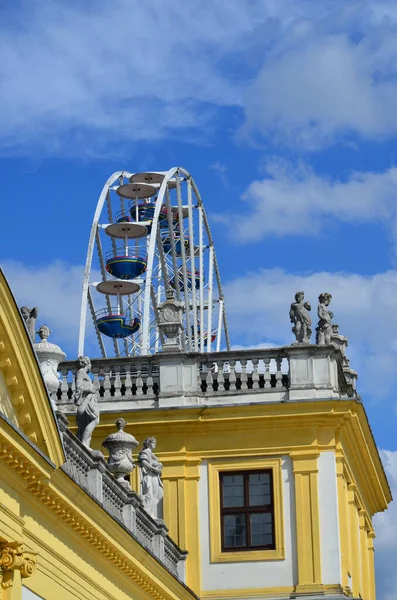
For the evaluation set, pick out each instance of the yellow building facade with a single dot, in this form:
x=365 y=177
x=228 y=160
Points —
x=290 y=414
x=303 y=422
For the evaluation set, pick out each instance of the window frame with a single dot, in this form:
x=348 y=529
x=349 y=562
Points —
x=230 y=465
x=246 y=510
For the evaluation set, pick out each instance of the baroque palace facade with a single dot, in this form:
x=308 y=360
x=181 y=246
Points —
x=258 y=478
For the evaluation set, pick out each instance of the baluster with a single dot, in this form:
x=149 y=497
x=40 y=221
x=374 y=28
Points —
x=279 y=375
x=149 y=380
x=139 y=381
x=232 y=375
x=209 y=379
x=267 y=376
x=255 y=374
x=221 y=378
x=117 y=382
x=64 y=385
x=106 y=384
x=243 y=376
x=128 y=383
x=96 y=383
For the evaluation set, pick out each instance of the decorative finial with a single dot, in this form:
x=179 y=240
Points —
x=299 y=315
x=44 y=332
x=324 y=327
x=120 y=424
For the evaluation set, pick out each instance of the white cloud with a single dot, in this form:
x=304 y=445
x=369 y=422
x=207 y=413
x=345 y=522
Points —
x=122 y=70
x=331 y=74
x=297 y=201
x=258 y=303
x=56 y=290
x=385 y=525
x=82 y=79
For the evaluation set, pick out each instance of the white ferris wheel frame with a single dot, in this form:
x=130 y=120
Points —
x=163 y=197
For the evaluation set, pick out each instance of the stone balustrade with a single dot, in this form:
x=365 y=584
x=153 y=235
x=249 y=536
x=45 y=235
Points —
x=288 y=373
x=89 y=470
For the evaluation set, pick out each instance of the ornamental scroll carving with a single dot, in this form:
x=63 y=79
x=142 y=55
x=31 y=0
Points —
x=14 y=557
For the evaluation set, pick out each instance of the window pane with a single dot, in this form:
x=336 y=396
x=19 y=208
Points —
x=261 y=529
x=233 y=490
x=259 y=489
x=234 y=531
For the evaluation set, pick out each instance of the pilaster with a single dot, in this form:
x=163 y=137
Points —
x=305 y=468
x=181 y=515
x=354 y=540
x=363 y=553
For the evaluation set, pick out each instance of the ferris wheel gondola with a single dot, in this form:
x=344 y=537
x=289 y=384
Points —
x=151 y=234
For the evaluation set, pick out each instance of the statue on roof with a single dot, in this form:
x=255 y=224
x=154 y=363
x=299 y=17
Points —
x=299 y=315
x=30 y=318
x=151 y=468
x=86 y=400
x=324 y=327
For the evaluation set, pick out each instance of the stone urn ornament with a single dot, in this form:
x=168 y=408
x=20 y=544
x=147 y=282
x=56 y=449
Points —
x=120 y=446
x=49 y=355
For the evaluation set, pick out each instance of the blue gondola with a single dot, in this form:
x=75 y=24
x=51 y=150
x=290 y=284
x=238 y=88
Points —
x=146 y=213
x=122 y=217
x=178 y=245
x=123 y=266
x=116 y=325
x=189 y=281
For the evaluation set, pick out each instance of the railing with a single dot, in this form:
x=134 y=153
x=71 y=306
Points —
x=89 y=470
x=296 y=372
x=244 y=370
x=115 y=378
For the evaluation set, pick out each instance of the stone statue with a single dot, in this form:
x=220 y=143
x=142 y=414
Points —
x=152 y=486
x=49 y=355
x=299 y=315
x=324 y=327
x=86 y=400
x=30 y=317
x=120 y=446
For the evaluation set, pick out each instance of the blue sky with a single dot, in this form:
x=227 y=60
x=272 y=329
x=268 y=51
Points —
x=283 y=111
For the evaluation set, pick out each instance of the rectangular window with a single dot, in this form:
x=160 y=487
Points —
x=247 y=510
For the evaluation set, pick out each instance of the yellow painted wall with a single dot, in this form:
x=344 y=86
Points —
x=186 y=436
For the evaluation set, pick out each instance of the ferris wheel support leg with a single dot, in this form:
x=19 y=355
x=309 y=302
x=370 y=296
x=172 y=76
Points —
x=172 y=243
x=99 y=337
x=210 y=286
x=219 y=331
x=201 y=269
x=184 y=272
x=192 y=262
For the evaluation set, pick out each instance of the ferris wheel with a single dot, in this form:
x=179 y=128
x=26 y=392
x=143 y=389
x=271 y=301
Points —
x=150 y=234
